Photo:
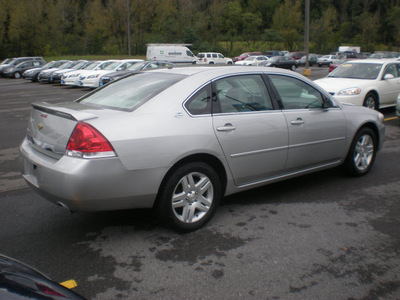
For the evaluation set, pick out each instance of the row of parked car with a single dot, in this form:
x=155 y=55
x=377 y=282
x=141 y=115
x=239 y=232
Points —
x=84 y=73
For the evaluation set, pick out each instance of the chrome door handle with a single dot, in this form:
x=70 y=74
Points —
x=299 y=121
x=226 y=127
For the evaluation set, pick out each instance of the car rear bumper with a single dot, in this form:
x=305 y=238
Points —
x=89 y=184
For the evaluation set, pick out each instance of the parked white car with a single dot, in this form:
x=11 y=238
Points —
x=72 y=78
x=252 y=61
x=92 y=79
x=213 y=58
x=374 y=83
x=327 y=60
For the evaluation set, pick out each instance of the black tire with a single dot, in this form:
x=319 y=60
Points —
x=17 y=75
x=194 y=204
x=320 y=65
x=371 y=101
x=362 y=153
x=293 y=67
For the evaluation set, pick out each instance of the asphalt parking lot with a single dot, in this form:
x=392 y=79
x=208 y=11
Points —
x=322 y=236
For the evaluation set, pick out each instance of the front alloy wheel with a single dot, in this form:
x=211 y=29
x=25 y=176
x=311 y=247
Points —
x=371 y=101
x=362 y=153
x=190 y=196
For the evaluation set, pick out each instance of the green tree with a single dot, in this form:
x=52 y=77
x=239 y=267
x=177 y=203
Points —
x=287 y=21
x=232 y=21
x=322 y=30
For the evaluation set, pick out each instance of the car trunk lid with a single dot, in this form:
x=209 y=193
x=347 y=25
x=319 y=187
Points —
x=51 y=125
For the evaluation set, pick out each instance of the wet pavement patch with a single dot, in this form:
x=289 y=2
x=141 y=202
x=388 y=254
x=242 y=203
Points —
x=196 y=246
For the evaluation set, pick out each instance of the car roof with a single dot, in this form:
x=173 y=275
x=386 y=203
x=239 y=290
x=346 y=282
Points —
x=214 y=72
x=375 y=61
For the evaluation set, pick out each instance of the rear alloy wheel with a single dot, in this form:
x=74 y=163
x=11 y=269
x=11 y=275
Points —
x=17 y=75
x=371 y=101
x=293 y=67
x=189 y=197
x=362 y=153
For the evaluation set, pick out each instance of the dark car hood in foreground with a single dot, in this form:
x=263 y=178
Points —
x=19 y=281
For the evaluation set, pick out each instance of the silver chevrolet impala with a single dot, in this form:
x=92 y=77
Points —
x=178 y=140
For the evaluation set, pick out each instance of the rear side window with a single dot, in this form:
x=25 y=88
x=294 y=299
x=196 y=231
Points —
x=200 y=103
x=242 y=94
x=131 y=92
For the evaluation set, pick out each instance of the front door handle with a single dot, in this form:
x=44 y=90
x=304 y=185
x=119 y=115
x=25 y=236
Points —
x=299 y=121
x=226 y=127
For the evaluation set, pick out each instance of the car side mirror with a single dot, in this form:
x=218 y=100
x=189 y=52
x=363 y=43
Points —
x=388 y=76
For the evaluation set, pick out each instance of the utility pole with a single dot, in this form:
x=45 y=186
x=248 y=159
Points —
x=307 y=71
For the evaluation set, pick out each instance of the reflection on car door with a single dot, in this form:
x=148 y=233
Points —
x=252 y=134
x=312 y=140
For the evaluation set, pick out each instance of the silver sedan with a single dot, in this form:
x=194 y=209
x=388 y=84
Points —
x=178 y=140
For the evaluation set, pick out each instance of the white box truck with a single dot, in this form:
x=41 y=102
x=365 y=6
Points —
x=349 y=48
x=175 y=53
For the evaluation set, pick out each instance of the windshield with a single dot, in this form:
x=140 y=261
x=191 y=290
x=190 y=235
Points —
x=131 y=92
x=112 y=66
x=103 y=65
x=6 y=61
x=92 y=65
x=64 y=65
x=250 y=58
x=79 y=65
x=357 y=71
x=137 y=66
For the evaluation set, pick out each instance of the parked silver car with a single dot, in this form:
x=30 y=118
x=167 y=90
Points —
x=177 y=140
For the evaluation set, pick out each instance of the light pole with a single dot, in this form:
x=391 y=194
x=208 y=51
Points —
x=307 y=71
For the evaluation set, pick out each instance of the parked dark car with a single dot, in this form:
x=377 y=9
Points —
x=273 y=53
x=281 y=62
x=19 y=281
x=45 y=75
x=295 y=55
x=17 y=70
x=245 y=55
x=312 y=60
x=55 y=77
x=17 y=60
x=139 y=66
x=32 y=74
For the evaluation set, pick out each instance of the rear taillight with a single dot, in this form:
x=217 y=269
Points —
x=87 y=142
x=49 y=291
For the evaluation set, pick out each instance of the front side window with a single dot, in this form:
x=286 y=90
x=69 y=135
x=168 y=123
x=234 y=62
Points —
x=296 y=94
x=392 y=69
x=242 y=94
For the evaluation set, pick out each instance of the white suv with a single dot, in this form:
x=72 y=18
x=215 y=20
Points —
x=213 y=58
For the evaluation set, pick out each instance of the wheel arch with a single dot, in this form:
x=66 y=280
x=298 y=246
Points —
x=374 y=128
x=209 y=159
x=375 y=92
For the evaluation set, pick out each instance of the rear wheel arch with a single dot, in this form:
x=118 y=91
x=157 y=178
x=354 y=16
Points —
x=190 y=192
x=208 y=159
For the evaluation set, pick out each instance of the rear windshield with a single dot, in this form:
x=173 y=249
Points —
x=131 y=92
